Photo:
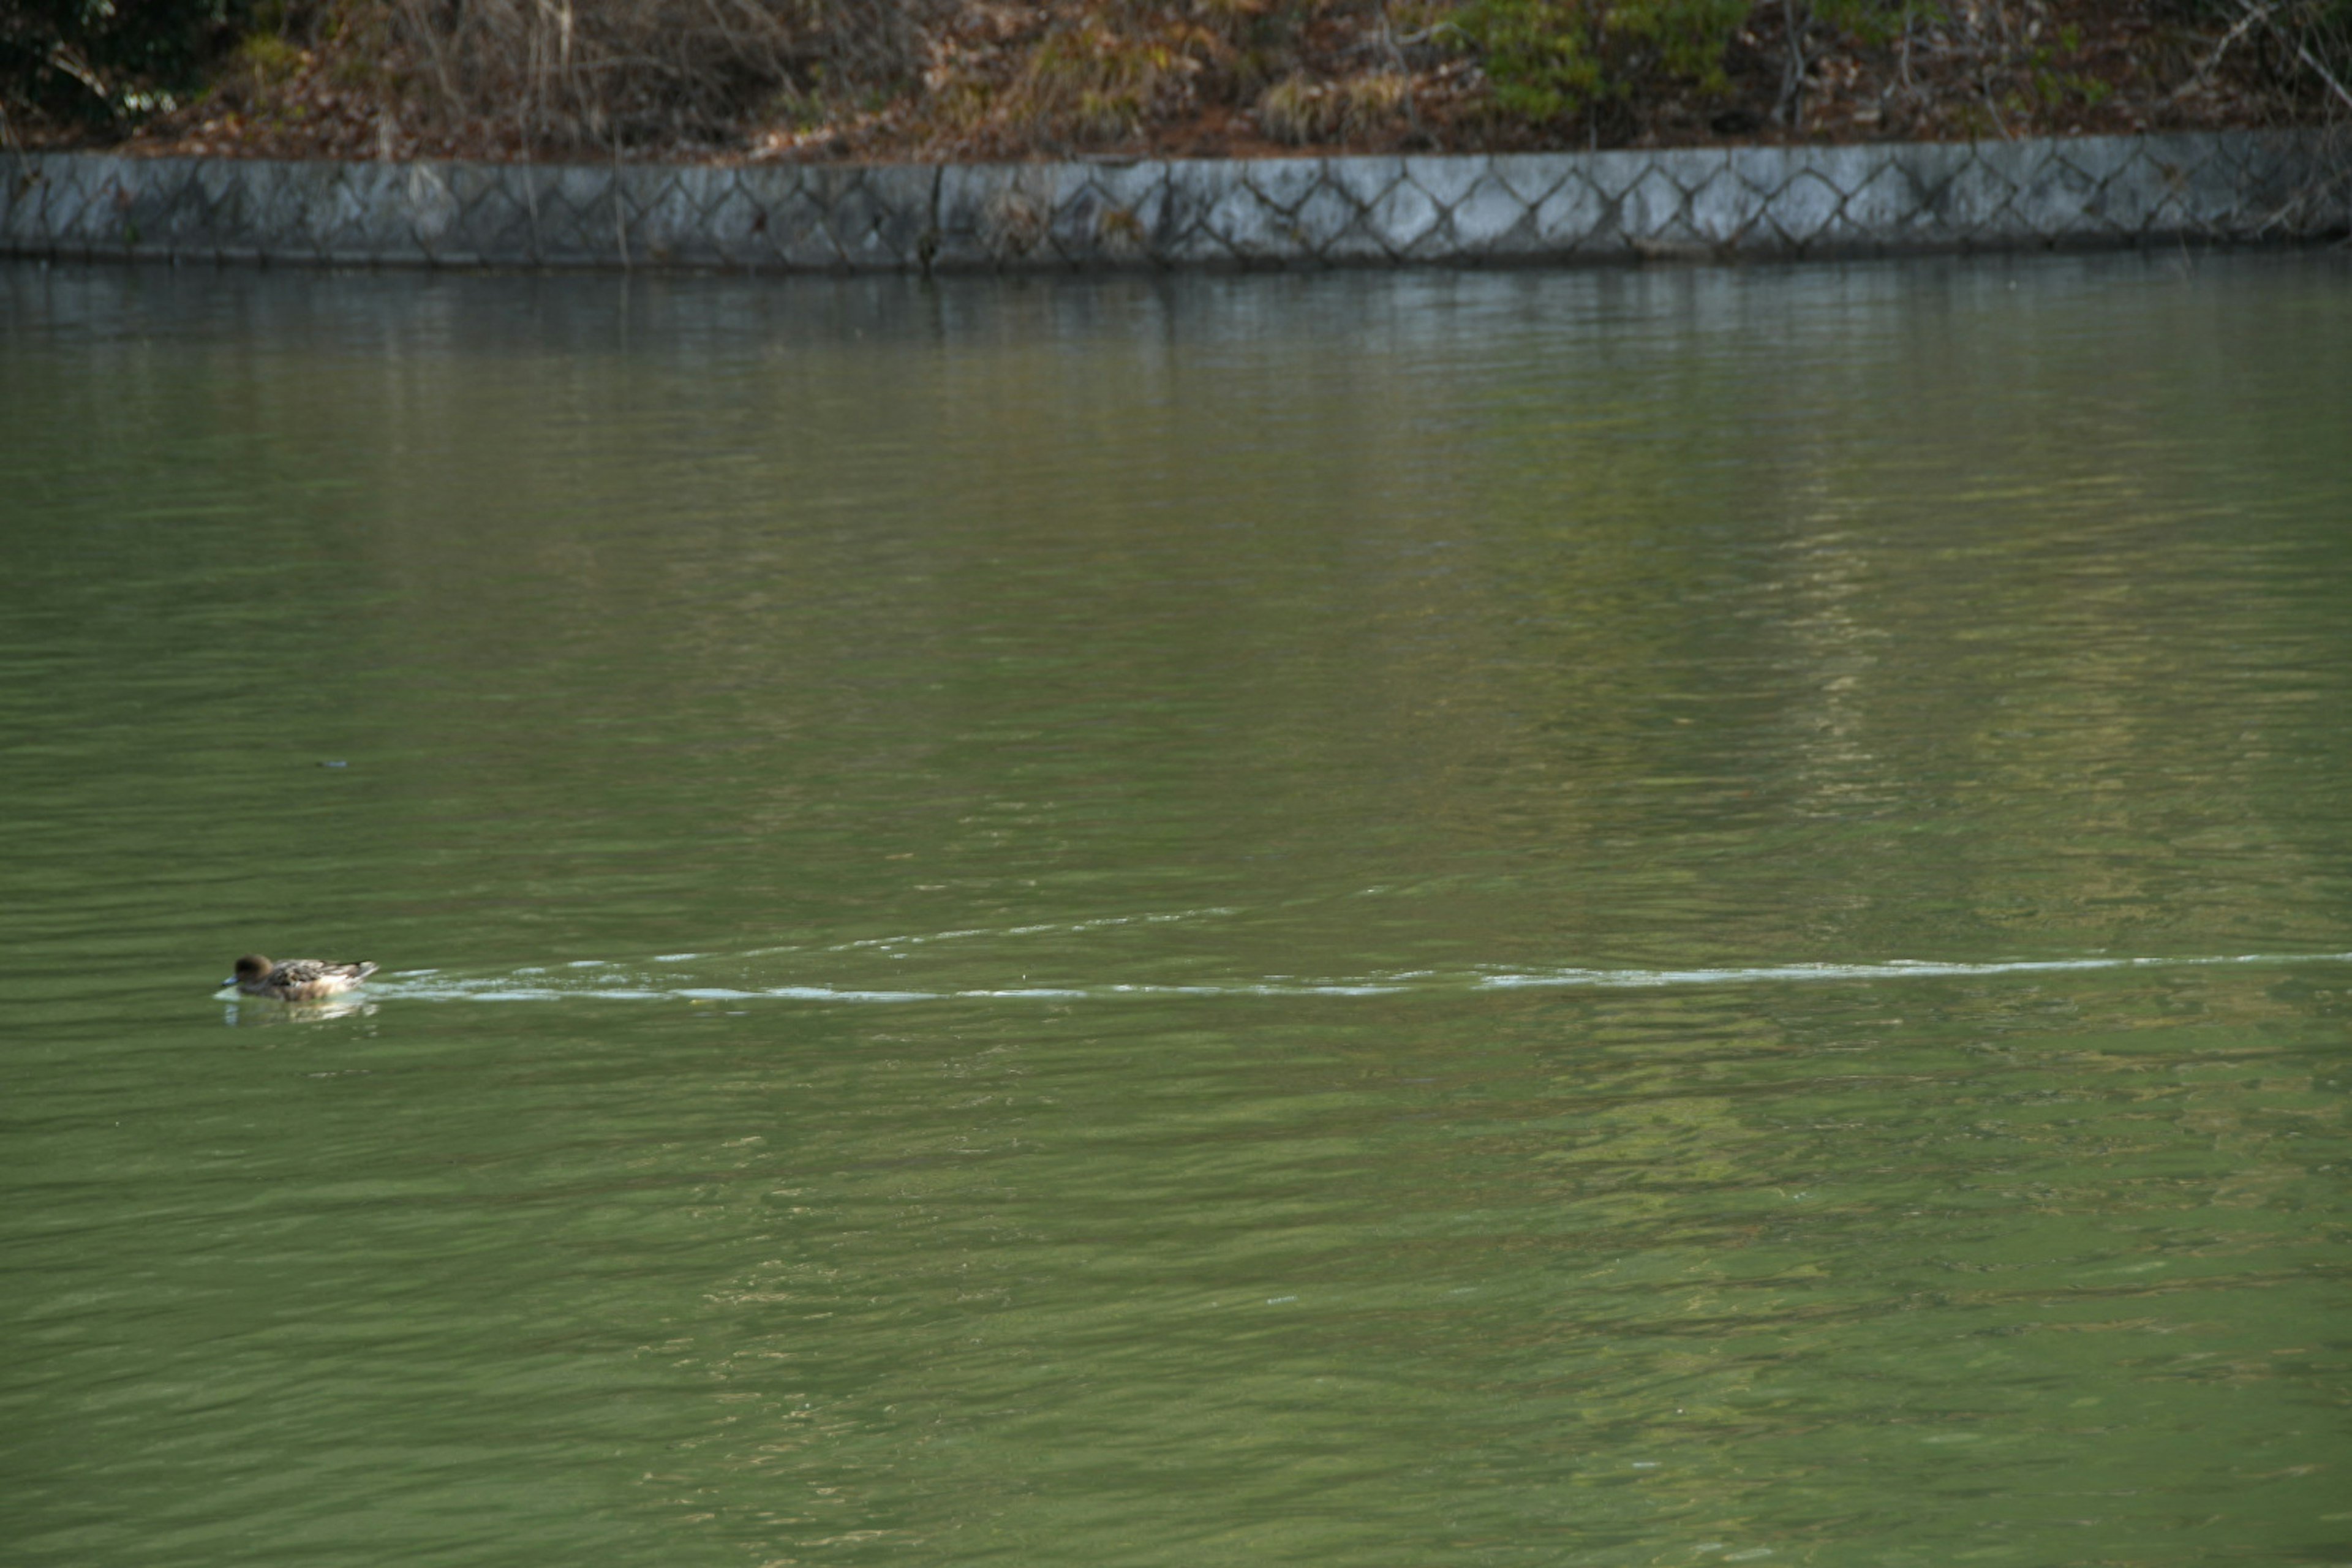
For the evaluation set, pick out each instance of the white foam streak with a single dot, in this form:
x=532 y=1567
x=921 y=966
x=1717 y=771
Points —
x=1894 y=969
x=431 y=986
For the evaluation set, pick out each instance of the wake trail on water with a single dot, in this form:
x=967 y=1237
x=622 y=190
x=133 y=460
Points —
x=598 y=980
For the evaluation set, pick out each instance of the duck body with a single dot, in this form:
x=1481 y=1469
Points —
x=297 y=979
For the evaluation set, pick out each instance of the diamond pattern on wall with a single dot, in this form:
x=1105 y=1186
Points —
x=1336 y=211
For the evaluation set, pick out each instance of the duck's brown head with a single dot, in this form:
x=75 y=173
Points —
x=252 y=967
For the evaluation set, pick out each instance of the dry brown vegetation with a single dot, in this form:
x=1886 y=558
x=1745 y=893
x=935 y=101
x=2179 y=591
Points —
x=930 y=80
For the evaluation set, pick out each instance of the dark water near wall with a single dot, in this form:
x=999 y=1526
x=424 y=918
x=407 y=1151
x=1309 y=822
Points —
x=1343 y=921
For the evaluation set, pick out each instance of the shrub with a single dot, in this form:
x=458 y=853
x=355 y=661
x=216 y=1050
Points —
x=1547 y=59
x=604 y=73
x=108 y=64
x=1299 y=109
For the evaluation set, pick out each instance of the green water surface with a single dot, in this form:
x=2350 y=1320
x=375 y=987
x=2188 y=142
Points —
x=1648 y=918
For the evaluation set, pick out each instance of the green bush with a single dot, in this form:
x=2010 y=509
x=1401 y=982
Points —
x=1547 y=59
x=109 y=63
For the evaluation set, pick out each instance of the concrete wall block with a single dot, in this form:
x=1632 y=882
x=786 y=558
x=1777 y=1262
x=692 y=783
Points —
x=1185 y=235
x=23 y=179
x=307 y=200
x=1018 y=216
x=495 y=217
x=959 y=212
x=1072 y=230
x=141 y=203
x=2014 y=162
x=1490 y=221
x=86 y=205
x=2129 y=194
x=215 y=231
x=1091 y=229
x=1654 y=213
x=2330 y=170
x=637 y=189
x=701 y=187
x=314 y=191
x=1332 y=228
x=1577 y=219
x=1727 y=213
x=2206 y=191
x=228 y=190
x=366 y=219
x=1763 y=169
x=1689 y=167
x=749 y=218
x=81 y=201
x=427 y=205
x=57 y=188
x=1804 y=210
x=2100 y=159
x=1880 y=199
x=167 y=209
x=1613 y=173
x=1134 y=220
x=1925 y=171
x=729 y=216
x=1108 y=218
x=902 y=225
x=1084 y=227
x=2230 y=162
x=2173 y=163
x=20 y=179
x=737 y=226
x=1845 y=170
x=573 y=213
x=1344 y=238
x=1282 y=183
x=1531 y=176
x=2278 y=181
x=670 y=221
x=299 y=207
x=91 y=203
x=220 y=219
x=831 y=198
x=1253 y=228
x=2050 y=198
x=45 y=187
x=422 y=205
x=583 y=188
x=852 y=216
x=1445 y=180
x=1190 y=244
x=120 y=228
x=1364 y=182
x=745 y=224
x=1405 y=221
x=1140 y=187
x=1973 y=204
x=797 y=234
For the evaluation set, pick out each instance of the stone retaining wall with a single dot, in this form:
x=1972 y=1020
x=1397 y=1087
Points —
x=1311 y=212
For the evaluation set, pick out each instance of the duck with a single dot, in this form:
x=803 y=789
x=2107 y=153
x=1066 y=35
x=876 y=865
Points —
x=297 y=979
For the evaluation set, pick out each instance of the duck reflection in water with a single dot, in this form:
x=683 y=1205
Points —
x=237 y=1016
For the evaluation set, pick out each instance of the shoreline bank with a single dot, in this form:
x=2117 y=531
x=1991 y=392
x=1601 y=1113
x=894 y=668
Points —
x=1516 y=209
